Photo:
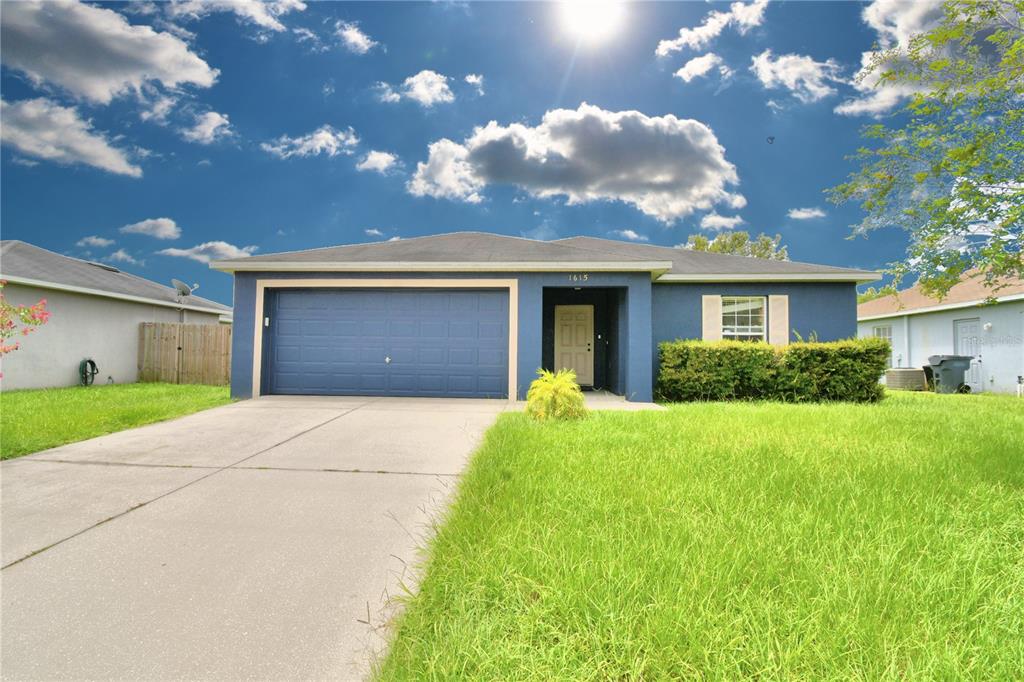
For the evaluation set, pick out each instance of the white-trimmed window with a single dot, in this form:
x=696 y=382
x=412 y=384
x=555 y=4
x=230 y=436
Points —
x=884 y=331
x=743 y=318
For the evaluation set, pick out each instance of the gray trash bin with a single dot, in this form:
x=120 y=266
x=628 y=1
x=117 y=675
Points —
x=948 y=372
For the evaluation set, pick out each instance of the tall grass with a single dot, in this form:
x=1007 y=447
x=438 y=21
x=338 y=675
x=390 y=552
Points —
x=34 y=420
x=730 y=540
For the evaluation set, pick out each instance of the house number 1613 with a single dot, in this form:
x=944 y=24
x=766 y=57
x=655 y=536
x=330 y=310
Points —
x=579 y=277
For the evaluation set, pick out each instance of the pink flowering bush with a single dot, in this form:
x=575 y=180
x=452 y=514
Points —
x=18 y=320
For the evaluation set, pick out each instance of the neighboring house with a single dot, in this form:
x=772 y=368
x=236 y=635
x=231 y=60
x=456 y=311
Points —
x=963 y=323
x=96 y=310
x=475 y=315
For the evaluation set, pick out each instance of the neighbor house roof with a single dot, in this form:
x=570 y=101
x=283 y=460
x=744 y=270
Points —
x=23 y=263
x=970 y=291
x=485 y=252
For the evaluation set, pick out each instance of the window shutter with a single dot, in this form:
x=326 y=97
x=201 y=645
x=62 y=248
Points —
x=778 y=320
x=711 y=315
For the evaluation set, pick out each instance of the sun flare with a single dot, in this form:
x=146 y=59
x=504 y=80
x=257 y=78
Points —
x=592 y=20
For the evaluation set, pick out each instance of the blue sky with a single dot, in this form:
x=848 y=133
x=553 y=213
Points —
x=158 y=136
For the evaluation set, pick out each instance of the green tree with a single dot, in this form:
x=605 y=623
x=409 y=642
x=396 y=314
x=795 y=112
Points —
x=952 y=173
x=739 y=244
x=871 y=293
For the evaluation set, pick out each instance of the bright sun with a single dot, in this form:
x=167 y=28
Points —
x=592 y=20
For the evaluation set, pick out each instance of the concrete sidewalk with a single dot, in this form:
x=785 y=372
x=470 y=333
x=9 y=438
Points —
x=257 y=540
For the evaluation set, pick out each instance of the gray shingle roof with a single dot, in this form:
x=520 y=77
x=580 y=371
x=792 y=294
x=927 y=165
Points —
x=481 y=248
x=687 y=262
x=457 y=247
x=22 y=261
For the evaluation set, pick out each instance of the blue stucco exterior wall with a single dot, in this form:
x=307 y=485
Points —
x=646 y=315
x=634 y=329
x=828 y=309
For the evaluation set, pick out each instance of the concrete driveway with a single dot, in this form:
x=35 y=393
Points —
x=260 y=540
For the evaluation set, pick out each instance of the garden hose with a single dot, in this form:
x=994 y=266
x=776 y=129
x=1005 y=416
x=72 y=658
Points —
x=87 y=372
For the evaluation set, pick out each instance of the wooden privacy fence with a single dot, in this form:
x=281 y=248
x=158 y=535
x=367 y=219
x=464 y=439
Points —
x=185 y=353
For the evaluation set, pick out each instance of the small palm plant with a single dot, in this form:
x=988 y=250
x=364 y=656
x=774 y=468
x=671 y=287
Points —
x=555 y=395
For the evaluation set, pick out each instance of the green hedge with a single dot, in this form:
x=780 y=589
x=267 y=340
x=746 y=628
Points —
x=800 y=372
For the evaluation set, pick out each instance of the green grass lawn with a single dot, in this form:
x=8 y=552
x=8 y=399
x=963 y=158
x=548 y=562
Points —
x=34 y=420
x=732 y=540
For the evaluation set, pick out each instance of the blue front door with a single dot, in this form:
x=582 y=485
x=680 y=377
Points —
x=395 y=342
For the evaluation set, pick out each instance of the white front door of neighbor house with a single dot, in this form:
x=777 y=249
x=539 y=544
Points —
x=574 y=341
x=967 y=338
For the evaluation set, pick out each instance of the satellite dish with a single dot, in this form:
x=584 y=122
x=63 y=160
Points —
x=183 y=289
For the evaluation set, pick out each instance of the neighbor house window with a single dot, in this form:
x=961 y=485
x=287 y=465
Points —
x=743 y=318
x=884 y=332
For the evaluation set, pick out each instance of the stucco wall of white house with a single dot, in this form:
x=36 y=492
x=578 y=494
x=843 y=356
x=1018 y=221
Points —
x=83 y=326
x=915 y=337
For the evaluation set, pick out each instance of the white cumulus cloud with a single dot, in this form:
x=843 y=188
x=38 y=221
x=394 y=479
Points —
x=122 y=256
x=208 y=251
x=807 y=79
x=477 y=81
x=805 y=213
x=740 y=15
x=208 y=128
x=665 y=166
x=324 y=140
x=93 y=240
x=700 y=66
x=447 y=173
x=158 y=228
x=93 y=52
x=379 y=162
x=266 y=14
x=42 y=129
x=353 y=38
x=426 y=87
x=386 y=93
x=713 y=221
x=895 y=22
x=631 y=235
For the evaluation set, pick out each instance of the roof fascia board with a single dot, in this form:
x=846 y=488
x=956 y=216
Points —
x=940 y=308
x=411 y=266
x=25 y=281
x=862 y=277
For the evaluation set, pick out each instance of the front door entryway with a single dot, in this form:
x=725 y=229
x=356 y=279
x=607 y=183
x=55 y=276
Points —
x=574 y=341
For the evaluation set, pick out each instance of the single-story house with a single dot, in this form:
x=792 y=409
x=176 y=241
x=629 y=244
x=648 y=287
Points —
x=472 y=314
x=965 y=322
x=95 y=313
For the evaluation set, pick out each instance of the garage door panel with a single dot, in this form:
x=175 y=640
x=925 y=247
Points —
x=290 y=327
x=441 y=343
x=462 y=383
x=290 y=300
x=496 y=308
x=401 y=357
x=491 y=330
x=346 y=328
x=431 y=356
x=464 y=330
x=461 y=357
x=492 y=359
x=317 y=356
x=377 y=328
x=400 y=328
x=433 y=329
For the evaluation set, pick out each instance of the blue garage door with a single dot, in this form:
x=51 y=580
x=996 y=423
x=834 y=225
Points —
x=396 y=342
